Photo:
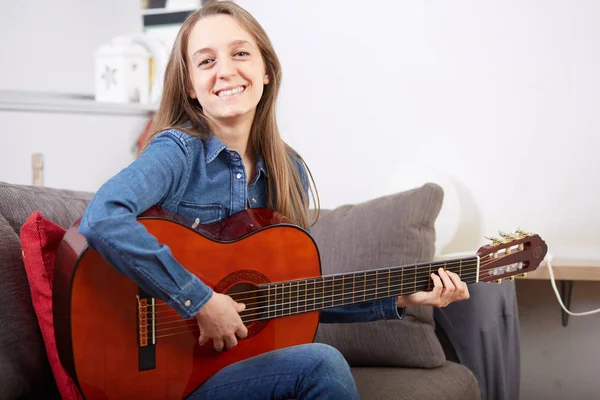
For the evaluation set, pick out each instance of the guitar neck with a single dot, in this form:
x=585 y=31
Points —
x=299 y=296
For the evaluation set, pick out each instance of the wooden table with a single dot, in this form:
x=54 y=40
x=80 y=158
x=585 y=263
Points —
x=568 y=269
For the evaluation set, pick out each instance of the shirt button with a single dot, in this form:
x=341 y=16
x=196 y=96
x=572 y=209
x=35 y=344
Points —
x=238 y=176
x=187 y=303
x=254 y=200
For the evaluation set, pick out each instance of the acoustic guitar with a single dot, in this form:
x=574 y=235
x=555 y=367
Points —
x=118 y=342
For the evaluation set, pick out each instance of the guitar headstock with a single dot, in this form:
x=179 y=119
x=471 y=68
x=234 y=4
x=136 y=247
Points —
x=513 y=254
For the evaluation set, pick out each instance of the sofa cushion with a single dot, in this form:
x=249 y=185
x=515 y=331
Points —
x=451 y=381
x=40 y=239
x=24 y=368
x=393 y=230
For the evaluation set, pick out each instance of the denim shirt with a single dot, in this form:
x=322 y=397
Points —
x=201 y=180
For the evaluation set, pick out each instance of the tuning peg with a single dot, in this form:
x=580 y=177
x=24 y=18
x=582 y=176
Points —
x=498 y=281
x=512 y=277
x=524 y=275
x=521 y=233
x=495 y=241
x=507 y=236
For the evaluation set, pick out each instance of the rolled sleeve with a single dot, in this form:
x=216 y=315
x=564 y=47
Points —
x=191 y=299
x=363 y=312
x=389 y=309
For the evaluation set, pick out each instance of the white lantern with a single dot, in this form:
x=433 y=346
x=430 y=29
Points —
x=122 y=72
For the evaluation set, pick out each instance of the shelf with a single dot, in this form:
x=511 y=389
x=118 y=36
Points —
x=568 y=269
x=13 y=100
x=564 y=268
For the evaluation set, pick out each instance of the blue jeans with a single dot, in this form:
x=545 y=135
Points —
x=308 y=371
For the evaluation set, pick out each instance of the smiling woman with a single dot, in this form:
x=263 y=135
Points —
x=227 y=76
x=215 y=151
x=221 y=47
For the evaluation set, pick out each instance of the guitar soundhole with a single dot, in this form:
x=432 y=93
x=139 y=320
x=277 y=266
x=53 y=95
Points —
x=242 y=286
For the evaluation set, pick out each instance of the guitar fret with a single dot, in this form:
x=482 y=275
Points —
x=306 y=294
x=333 y=291
x=429 y=280
x=401 y=280
x=415 y=278
x=315 y=287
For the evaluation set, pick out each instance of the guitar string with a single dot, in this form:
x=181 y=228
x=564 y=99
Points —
x=190 y=325
x=454 y=263
x=298 y=304
x=194 y=327
x=302 y=286
x=322 y=299
x=324 y=294
x=302 y=301
x=283 y=309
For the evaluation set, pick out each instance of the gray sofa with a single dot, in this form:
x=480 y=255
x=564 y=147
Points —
x=409 y=359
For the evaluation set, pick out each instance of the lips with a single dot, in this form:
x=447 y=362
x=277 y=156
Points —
x=230 y=91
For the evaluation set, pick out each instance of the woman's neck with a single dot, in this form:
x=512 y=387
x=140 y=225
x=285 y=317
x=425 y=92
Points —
x=235 y=134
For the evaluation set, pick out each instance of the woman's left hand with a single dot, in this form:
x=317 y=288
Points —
x=447 y=287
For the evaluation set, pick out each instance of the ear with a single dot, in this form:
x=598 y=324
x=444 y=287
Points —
x=192 y=94
x=266 y=79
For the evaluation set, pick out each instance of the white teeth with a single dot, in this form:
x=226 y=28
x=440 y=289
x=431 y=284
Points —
x=224 y=93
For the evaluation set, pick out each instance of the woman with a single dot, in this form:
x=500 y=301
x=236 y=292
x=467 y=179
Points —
x=215 y=151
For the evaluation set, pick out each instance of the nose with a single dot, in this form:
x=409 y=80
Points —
x=225 y=68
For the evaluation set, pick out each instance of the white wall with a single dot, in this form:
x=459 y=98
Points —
x=500 y=97
x=49 y=47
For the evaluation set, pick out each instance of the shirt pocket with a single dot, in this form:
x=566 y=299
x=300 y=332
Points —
x=204 y=213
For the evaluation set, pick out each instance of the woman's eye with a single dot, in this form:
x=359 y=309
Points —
x=205 y=62
x=242 y=53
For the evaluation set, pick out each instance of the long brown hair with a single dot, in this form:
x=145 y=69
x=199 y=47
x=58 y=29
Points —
x=177 y=110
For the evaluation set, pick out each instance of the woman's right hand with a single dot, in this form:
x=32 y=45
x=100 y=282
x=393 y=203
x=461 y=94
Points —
x=219 y=320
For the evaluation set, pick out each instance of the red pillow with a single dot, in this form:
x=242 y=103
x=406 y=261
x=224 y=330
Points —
x=39 y=240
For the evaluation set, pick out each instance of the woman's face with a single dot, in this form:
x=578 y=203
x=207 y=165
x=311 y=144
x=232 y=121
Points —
x=226 y=69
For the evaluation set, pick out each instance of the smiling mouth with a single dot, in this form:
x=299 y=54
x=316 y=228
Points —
x=230 y=92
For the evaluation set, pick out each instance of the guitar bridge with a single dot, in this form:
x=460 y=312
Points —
x=146 y=331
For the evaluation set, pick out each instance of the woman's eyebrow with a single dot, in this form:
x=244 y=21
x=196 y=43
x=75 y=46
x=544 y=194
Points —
x=208 y=49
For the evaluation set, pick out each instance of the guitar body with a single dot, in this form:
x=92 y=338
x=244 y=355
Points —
x=115 y=348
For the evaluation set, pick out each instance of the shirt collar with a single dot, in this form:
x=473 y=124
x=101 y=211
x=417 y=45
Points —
x=260 y=165
x=213 y=146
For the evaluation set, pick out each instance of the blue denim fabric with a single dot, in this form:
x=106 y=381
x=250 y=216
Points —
x=310 y=371
x=199 y=180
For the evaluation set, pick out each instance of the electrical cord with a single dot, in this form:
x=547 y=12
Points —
x=549 y=258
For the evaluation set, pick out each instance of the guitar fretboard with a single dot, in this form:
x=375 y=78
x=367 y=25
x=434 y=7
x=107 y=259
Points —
x=295 y=297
